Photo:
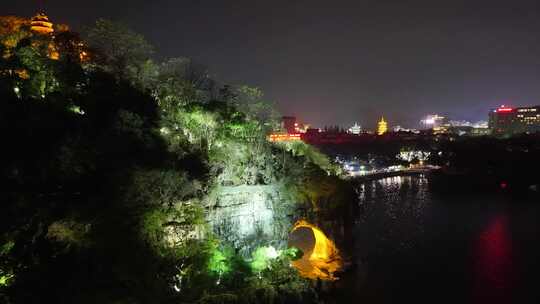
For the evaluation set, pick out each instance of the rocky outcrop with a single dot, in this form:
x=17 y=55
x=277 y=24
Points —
x=251 y=216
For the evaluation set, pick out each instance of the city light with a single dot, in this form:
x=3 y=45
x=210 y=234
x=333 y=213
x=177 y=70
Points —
x=508 y=121
x=283 y=137
x=433 y=120
x=355 y=129
x=382 y=127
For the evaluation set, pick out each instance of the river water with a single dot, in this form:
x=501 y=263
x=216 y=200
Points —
x=412 y=245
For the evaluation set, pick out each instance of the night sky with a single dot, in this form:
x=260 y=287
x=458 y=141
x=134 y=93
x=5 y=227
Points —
x=336 y=62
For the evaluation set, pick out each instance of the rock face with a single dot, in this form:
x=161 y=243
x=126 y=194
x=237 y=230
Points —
x=251 y=216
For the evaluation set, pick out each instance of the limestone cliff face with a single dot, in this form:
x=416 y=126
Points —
x=250 y=216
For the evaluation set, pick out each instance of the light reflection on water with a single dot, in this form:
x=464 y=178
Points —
x=413 y=245
x=393 y=211
x=494 y=262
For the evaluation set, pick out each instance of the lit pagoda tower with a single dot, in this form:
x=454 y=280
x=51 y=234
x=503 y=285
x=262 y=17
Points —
x=40 y=24
x=382 y=127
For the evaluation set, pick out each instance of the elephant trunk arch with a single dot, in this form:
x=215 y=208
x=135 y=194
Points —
x=323 y=260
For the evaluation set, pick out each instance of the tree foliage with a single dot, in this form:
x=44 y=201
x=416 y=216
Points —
x=109 y=159
x=119 y=50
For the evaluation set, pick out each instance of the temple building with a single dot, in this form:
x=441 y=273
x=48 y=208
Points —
x=355 y=129
x=40 y=24
x=382 y=127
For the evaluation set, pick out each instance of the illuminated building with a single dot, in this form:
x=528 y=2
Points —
x=411 y=155
x=398 y=129
x=501 y=120
x=507 y=121
x=480 y=128
x=434 y=121
x=300 y=127
x=277 y=137
x=355 y=129
x=480 y=124
x=382 y=127
x=528 y=119
x=439 y=124
x=480 y=131
x=288 y=123
x=460 y=123
x=40 y=24
x=444 y=129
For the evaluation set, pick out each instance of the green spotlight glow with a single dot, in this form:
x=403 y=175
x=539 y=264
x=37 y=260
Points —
x=262 y=257
x=76 y=110
x=5 y=278
x=219 y=263
x=293 y=253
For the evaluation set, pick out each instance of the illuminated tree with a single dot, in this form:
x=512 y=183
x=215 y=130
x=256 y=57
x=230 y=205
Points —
x=250 y=101
x=118 y=49
x=110 y=163
x=38 y=78
x=71 y=47
x=12 y=30
x=176 y=85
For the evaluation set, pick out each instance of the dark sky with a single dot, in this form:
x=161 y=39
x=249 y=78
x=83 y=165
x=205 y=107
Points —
x=336 y=62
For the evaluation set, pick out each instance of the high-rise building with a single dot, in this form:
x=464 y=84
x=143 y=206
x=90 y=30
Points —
x=382 y=127
x=501 y=120
x=528 y=119
x=506 y=121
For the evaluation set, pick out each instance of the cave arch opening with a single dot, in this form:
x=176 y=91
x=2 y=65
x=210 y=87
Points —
x=321 y=259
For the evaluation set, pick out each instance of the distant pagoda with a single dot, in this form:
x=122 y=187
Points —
x=382 y=127
x=40 y=24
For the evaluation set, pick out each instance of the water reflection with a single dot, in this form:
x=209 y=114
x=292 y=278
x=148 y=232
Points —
x=494 y=267
x=414 y=245
x=393 y=212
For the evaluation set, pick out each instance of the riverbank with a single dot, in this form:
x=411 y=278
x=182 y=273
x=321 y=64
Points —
x=379 y=175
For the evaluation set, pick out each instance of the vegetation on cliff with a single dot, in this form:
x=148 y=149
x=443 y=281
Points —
x=108 y=159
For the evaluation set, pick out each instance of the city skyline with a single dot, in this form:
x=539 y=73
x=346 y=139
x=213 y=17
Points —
x=349 y=62
x=420 y=123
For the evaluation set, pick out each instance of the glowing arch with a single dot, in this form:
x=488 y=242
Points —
x=323 y=261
